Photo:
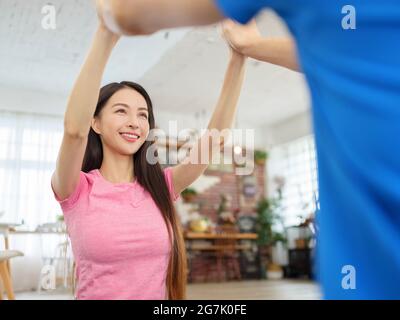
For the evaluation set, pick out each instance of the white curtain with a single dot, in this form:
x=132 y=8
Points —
x=29 y=146
x=28 y=151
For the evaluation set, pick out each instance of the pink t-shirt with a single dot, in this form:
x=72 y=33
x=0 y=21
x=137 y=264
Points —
x=119 y=239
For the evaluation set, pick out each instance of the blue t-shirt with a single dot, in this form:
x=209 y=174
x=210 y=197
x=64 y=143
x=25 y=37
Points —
x=354 y=79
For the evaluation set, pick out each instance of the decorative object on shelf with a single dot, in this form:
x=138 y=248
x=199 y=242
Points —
x=187 y=211
x=260 y=157
x=225 y=216
x=305 y=234
x=249 y=188
x=202 y=224
x=247 y=223
x=274 y=272
x=188 y=194
x=301 y=243
x=58 y=226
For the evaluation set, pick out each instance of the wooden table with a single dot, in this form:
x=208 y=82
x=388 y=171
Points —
x=190 y=235
x=49 y=260
x=222 y=243
x=5 y=229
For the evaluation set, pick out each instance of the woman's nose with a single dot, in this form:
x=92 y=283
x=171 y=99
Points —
x=133 y=122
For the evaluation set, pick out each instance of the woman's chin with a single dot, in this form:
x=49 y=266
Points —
x=128 y=149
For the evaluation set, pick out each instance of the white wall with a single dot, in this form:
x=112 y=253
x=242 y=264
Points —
x=292 y=128
x=31 y=101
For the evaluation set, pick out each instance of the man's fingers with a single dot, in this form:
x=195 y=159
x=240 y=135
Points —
x=253 y=23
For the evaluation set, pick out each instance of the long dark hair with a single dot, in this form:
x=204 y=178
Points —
x=151 y=178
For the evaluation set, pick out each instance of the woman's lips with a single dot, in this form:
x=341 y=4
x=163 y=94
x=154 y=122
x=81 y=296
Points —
x=129 y=137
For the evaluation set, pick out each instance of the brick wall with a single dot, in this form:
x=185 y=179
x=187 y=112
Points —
x=205 y=269
x=231 y=184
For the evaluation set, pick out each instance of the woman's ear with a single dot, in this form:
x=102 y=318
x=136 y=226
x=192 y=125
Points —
x=95 y=125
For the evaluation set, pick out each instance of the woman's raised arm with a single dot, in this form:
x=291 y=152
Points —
x=79 y=113
x=220 y=123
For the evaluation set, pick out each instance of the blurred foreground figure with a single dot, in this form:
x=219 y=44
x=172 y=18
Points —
x=351 y=61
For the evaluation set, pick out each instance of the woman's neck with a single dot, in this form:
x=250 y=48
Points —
x=117 y=168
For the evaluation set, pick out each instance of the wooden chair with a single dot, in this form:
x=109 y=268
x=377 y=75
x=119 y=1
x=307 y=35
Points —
x=5 y=256
x=201 y=262
x=228 y=255
x=221 y=257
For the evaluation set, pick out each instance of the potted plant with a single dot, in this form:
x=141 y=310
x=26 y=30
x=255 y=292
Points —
x=279 y=237
x=188 y=194
x=264 y=231
x=260 y=157
x=267 y=218
x=279 y=250
x=274 y=271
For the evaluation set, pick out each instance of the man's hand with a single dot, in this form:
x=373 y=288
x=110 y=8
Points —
x=240 y=37
x=107 y=18
x=234 y=54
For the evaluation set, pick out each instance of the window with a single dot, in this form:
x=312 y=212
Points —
x=29 y=146
x=296 y=163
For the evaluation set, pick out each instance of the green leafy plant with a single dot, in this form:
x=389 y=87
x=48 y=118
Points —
x=279 y=236
x=260 y=156
x=267 y=217
x=265 y=220
x=188 y=194
x=222 y=204
x=189 y=191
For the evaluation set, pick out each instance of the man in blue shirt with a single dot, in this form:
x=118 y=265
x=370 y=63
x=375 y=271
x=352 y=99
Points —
x=350 y=56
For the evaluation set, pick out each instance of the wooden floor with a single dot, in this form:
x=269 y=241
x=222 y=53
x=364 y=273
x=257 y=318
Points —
x=256 y=290
x=238 y=290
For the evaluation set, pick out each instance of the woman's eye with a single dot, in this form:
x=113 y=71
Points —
x=143 y=115
x=120 y=111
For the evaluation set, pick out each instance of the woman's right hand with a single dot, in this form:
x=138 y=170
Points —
x=104 y=33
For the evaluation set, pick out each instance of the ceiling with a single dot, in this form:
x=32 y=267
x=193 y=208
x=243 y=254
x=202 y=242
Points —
x=182 y=69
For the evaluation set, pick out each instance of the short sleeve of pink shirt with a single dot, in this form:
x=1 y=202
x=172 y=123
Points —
x=119 y=239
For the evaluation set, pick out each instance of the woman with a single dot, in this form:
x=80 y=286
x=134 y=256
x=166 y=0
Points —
x=116 y=205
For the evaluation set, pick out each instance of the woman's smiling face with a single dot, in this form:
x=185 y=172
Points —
x=123 y=123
